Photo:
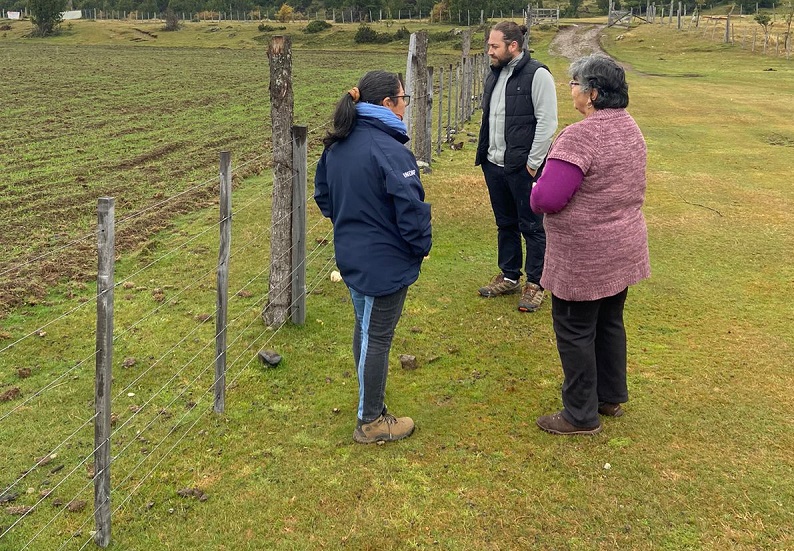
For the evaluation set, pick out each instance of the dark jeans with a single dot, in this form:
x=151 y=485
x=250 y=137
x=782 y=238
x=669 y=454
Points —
x=591 y=341
x=510 y=202
x=376 y=319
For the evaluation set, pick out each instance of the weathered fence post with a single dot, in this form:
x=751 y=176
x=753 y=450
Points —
x=222 y=299
x=106 y=245
x=440 y=107
x=299 y=160
x=429 y=118
x=279 y=54
x=408 y=85
x=422 y=94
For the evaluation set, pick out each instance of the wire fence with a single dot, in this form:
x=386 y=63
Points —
x=164 y=349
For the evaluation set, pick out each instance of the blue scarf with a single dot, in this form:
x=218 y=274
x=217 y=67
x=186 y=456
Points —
x=383 y=114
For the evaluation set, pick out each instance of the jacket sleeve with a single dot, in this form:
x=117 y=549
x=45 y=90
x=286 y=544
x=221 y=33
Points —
x=322 y=194
x=412 y=213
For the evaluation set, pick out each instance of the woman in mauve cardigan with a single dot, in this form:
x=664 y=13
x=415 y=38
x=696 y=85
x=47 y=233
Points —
x=592 y=191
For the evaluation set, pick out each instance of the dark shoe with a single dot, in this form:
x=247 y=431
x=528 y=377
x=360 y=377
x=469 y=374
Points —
x=386 y=428
x=557 y=424
x=499 y=286
x=609 y=409
x=531 y=298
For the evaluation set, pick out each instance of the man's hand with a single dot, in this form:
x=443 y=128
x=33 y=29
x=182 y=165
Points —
x=532 y=171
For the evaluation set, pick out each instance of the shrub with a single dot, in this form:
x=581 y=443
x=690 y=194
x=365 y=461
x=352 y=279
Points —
x=269 y=28
x=285 y=13
x=367 y=35
x=171 y=21
x=441 y=36
x=46 y=15
x=402 y=33
x=316 y=27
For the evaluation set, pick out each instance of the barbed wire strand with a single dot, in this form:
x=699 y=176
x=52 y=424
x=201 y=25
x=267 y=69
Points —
x=48 y=455
x=33 y=508
x=179 y=422
x=49 y=385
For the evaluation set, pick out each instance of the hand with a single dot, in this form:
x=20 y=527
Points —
x=532 y=171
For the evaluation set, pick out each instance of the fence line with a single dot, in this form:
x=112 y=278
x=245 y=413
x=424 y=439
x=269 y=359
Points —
x=145 y=417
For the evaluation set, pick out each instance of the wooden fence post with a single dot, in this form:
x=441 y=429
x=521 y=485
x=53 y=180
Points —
x=106 y=245
x=440 y=107
x=222 y=298
x=279 y=54
x=449 y=103
x=429 y=118
x=299 y=159
x=408 y=85
x=423 y=95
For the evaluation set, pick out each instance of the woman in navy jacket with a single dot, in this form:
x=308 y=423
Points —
x=367 y=183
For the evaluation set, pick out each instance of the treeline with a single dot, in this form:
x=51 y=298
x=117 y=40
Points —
x=446 y=9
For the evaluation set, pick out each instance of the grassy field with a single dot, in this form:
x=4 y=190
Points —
x=701 y=460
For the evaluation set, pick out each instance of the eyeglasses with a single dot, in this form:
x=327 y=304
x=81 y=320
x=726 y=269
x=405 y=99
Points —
x=406 y=99
x=573 y=83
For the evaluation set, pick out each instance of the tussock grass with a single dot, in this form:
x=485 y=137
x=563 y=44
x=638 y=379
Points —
x=701 y=460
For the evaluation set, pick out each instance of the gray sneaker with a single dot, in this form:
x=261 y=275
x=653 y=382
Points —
x=386 y=428
x=531 y=298
x=499 y=286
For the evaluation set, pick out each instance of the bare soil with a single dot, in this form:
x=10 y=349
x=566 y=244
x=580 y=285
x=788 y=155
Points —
x=577 y=41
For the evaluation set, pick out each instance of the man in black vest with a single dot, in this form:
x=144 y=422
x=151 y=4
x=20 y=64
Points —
x=519 y=118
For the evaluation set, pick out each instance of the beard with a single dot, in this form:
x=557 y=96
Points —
x=499 y=62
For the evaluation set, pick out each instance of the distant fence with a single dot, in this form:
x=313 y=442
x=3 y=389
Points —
x=143 y=404
x=739 y=29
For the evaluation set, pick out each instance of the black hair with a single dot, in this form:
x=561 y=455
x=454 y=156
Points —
x=513 y=32
x=374 y=87
x=605 y=75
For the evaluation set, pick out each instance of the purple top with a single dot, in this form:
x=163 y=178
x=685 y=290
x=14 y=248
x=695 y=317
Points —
x=555 y=187
x=597 y=242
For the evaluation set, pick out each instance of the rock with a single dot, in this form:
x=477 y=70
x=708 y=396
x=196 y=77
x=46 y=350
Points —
x=269 y=358
x=408 y=361
x=19 y=510
x=128 y=362
x=75 y=506
x=10 y=394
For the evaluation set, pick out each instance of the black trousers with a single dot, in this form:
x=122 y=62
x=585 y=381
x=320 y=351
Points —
x=509 y=193
x=591 y=341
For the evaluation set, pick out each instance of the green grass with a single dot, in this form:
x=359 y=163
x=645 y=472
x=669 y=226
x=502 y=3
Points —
x=701 y=460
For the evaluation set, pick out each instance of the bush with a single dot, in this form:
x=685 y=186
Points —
x=171 y=21
x=402 y=33
x=285 y=13
x=441 y=36
x=316 y=27
x=46 y=15
x=367 y=35
x=269 y=28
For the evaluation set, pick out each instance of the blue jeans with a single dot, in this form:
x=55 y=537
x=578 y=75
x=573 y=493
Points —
x=376 y=319
x=591 y=341
x=510 y=202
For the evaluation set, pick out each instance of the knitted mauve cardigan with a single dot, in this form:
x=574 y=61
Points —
x=598 y=244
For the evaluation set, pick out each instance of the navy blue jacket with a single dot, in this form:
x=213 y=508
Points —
x=368 y=185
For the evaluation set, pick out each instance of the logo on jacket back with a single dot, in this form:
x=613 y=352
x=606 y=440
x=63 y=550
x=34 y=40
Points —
x=409 y=173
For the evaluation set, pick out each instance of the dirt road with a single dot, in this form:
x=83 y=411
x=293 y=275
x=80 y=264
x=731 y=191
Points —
x=577 y=41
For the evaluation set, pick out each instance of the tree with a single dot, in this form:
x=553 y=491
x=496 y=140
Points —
x=46 y=15
x=285 y=13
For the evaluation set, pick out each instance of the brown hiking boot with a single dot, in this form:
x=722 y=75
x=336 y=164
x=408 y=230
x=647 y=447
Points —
x=609 y=409
x=386 y=428
x=499 y=286
x=557 y=424
x=531 y=298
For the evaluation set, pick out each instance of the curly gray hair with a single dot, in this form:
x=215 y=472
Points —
x=606 y=76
